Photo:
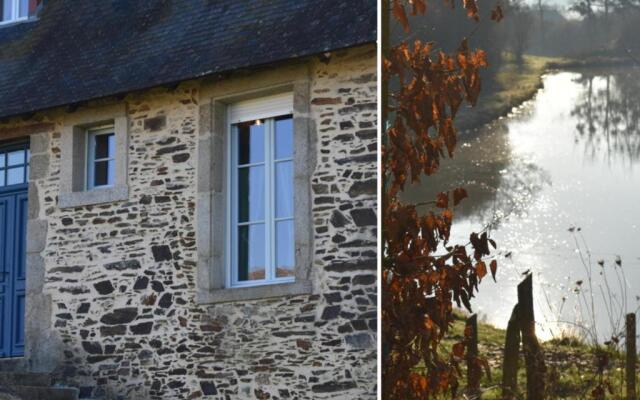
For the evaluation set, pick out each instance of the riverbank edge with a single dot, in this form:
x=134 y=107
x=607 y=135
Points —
x=484 y=114
x=592 y=62
x=493 y=104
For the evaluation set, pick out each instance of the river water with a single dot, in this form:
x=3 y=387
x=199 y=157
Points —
x=559 y=180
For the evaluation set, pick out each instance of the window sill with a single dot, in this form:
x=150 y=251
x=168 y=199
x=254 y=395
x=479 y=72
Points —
x=227 y=295
x=91 y=197
x=13 y=22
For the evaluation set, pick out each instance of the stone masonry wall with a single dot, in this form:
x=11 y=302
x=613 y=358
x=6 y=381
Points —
x=121 y=276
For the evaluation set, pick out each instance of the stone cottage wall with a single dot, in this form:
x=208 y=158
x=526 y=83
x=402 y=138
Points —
x=121 y=277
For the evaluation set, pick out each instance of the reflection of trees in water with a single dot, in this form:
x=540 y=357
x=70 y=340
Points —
x=518 y=187
x=608 y=115
x=498 y=183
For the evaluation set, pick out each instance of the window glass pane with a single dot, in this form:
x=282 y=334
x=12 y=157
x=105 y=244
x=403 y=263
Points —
x=15 y=176
x=16 y=157
x=2 y=160
x=251 y=193
x=103 y=173
x=284 y=249
x=2 y=177
x=284 y=137
x=251 y=252
x=284 y=189
x=104 y=145
x=7 y=10
x=250 y=142
x=23 y=10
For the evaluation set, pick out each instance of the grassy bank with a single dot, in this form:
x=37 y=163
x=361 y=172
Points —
x=513 y=84
x=593 y=62
x=571 y=365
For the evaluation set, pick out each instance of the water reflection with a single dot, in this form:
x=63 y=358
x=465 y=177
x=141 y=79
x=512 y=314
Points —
x=608 y=116
x=499 y=183
x=565 y=159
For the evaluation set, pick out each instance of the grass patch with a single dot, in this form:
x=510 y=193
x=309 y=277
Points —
x=571 y=364
x=513 y=84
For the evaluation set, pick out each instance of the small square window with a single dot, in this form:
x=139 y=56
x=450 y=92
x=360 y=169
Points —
x=100 y=157
x=94 y=157
x=262 y=244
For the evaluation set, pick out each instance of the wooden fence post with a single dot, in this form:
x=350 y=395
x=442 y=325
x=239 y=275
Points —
x=474 y=371
x=533 y=356
x=631 y=356
x=522 y=325
x=511 y=357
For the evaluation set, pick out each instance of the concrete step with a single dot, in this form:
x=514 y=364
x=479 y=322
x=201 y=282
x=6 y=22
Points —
x=25 y=378
x=5 y=394
x=45 y=393
x=33 y=386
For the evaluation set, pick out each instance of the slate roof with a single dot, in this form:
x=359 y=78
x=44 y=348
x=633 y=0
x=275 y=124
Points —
x=78 y=50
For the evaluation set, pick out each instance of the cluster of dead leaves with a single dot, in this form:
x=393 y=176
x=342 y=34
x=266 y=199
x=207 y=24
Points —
x=420 y=7
x=423 y=274
x=431 y=92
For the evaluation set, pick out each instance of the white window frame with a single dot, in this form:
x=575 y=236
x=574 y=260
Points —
x=92 y=133
x=15 y=10
x=265 y=109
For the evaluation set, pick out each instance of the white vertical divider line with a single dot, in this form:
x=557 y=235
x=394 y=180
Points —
x=379 y=197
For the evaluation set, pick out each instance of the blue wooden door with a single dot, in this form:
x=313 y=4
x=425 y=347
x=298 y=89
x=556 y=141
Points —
x=14 y=170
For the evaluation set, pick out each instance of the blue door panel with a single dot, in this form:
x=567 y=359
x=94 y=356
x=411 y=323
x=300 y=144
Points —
x=21 y=237
x=5 y=288
x=3 y=242
x=4 y=348
x=18 y=331
x=19 y=256
x=13 y=226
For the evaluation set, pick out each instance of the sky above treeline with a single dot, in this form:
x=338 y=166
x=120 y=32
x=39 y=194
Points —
x=561 y=5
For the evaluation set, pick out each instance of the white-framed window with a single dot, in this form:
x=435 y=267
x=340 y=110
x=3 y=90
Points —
x=14 y=165
x=261 y=197
x=94 y=164
x=277 y=260
x=13 y=10
x=101 y=152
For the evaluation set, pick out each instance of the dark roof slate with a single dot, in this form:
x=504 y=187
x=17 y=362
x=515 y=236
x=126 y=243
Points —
x=79 y=50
